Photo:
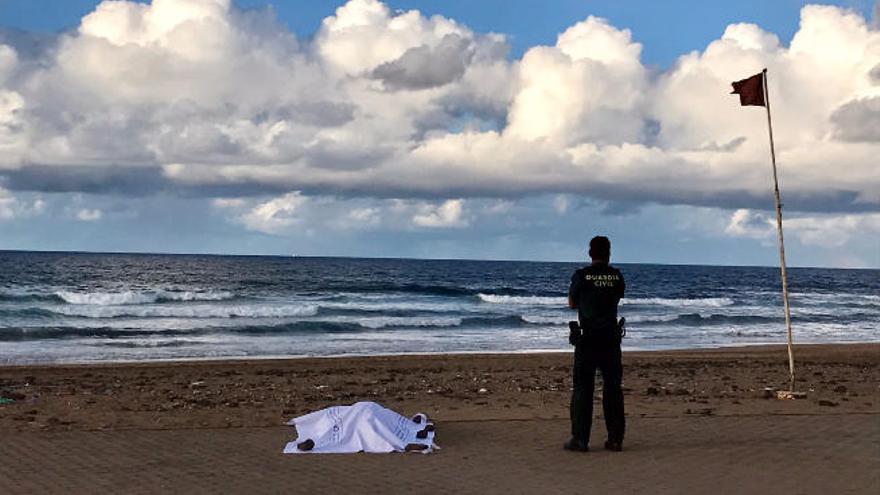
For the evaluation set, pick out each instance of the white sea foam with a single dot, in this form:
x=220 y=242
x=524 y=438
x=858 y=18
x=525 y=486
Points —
x=563 y=319
x=713 y=302
x=18 y=292
x=188 y=311
x=195 y=296
x=406 y=321
x=531 y=300
x=651 y=319
x=547 y=320
x=106 y=298
x=127 y=297
x=870 y=301
x=411 y=305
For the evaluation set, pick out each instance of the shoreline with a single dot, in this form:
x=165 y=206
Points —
x=729 y=381
x=525 y=352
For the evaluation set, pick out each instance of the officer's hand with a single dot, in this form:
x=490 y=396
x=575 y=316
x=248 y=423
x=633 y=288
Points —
x=574 y=333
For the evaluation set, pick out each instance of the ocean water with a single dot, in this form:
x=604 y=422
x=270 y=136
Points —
x=81 y=307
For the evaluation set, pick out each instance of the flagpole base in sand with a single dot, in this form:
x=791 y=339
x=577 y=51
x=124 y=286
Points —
x=790 y=395
x=770 y=392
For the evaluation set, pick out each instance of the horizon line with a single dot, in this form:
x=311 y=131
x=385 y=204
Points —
x=407 y=258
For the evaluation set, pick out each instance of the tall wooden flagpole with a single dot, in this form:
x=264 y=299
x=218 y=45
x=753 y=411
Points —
x=781 y=240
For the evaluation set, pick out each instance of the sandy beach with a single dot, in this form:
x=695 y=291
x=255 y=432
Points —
x=152 y=426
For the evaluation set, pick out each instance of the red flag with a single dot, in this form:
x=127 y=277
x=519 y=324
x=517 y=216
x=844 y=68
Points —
x=750 y=91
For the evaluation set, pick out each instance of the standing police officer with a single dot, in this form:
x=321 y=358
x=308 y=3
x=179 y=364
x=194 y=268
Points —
x=595 y=292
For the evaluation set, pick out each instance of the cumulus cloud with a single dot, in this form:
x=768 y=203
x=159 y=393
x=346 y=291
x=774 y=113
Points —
x=293 y=213
x=425 y=67
x=8 y=62
x=273 y=216
x=7 y=205
x=228 y=202
x=858 y=120
x=12 y=207
x=361 y=217
x=89 y=215
x=590 y=87
x=816 y=230
x=753 y=224
x=200 y=97
x=836 y=231
x=561 y=203
x=447 y=214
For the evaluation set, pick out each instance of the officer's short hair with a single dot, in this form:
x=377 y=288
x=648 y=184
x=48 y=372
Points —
x=600 y=248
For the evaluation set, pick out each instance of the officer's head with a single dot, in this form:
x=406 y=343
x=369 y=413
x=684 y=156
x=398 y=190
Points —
x=600 y=249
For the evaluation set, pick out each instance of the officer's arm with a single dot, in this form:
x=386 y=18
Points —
x=572 y=291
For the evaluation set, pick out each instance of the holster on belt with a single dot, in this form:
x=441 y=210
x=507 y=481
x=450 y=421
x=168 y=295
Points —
x=576 y=333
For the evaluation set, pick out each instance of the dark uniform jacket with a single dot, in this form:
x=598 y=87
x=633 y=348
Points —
x=596 y=290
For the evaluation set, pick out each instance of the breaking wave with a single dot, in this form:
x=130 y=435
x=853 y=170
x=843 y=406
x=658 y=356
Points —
x=645 y=301
x=316 y=327
x=188 y=311
x=547 y=320
x=531 y=300
x=694 y=319
x=131 y=297
x=715 y=302
x=95 y=307
x=390 y=322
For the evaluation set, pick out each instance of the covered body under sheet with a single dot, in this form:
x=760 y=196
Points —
x=361 y=427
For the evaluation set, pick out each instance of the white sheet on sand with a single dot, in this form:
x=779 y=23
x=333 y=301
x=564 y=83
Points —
x=361 y=427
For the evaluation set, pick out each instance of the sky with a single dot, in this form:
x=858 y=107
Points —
x=482 y=130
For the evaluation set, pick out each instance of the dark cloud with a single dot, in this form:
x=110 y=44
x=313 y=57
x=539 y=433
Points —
x=858 y=120
x=130 y=181
x=651 y=132
x=328 y=154
x=425 y=67
x=874 y=75
x=28 y=45
x=621 y=199
x=466 y=106
x=612 y=199
x=198 y=140
x=831 y=201
x=727 y=147
x=323 y=113
x=621 y=208
x=317 y=113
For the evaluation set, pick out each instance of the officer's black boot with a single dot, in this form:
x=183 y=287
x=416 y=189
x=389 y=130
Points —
x=576 y=445
x=613 y=446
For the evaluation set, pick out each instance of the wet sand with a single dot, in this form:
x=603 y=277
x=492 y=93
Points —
x=732 y=381
x=701 y=399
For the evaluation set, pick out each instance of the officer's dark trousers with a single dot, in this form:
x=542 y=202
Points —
x=601 y=352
